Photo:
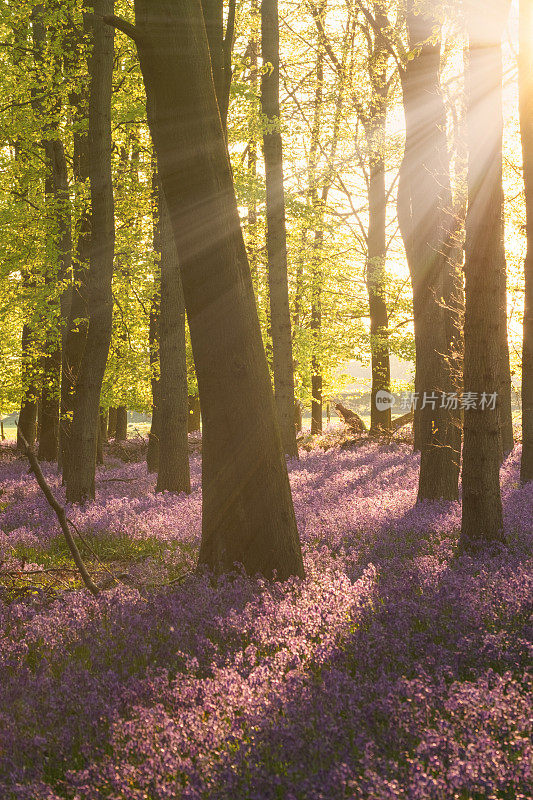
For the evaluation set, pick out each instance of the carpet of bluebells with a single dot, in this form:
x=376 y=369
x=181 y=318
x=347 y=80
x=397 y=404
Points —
x=397 y=669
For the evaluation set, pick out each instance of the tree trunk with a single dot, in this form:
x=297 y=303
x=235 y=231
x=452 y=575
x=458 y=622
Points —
x=102 y=436
x=482 y=518
x=195 y=416
x=248 y=515
x=74 y=301
x=220 y=43
x=316 y=366
x=380 y=418
x=111 y=422
x=280 y=316
x=173 y=406
x=298 y=416
x=152 y=453
x=526 y=128
x=79 y=476
x=28 y=407
x=49 y=428
x=57 y=203
x=425 y=217
x=121 y=425
x=505 y=383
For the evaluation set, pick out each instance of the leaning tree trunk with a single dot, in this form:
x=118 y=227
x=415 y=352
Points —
x=173 y=404
x=280 y=316
x=526 y=128
x=424 y=214
x=248 y=515
x=80 y=473
x=482 y=518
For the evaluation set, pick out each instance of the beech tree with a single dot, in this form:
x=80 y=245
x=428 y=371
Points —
x=280 y=317
x=81 y=464
x=526 y=128
x=425 y=216
x=482 y=518
x=248 y=516
x=172 y=397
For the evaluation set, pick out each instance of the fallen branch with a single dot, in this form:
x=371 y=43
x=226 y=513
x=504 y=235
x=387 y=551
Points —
x=351 y=419
x=399 y=422
x=60 y=514
x=21 y=573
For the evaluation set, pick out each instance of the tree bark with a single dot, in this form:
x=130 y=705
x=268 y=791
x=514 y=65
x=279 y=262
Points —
x=49 y=428
x=152 y=453
x=173 y=406
x=195 y=416
x=526 y=127
x=102 y=436
x=248 y=516
x=27 y=424
x=112 y=422
x=280 y=317
x=74 y=301
x=80 y=473
x=58 y=203
x=482 y=518
x=425 y=215
x=380 y=418
x=121 y=425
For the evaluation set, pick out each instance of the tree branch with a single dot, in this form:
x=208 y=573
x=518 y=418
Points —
x=60 y=513
x=122 y=25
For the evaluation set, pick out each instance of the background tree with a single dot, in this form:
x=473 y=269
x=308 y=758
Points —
x=280 y=318
x=248 y=515
x=482 y=518
x=526 y=127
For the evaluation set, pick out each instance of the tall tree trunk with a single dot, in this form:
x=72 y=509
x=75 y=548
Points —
x=49 y=429
x=121 y=424
x=27 y=422
x=173 y=473
x=316 y=365
x=102 y=436
x=79 y=477
x=482 y=518
x=74 y=301
x=380 y=417
x=526 y=127
x=505 y=381
x=194 y=414
x=280 y=316
x=220 y=41
x=111 y=422
x=57 y=201
x=425 y=216
x=248 y=515
x=252 y=227
x=152 y=453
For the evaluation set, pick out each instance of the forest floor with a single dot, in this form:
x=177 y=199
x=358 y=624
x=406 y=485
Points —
x=397 y=669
